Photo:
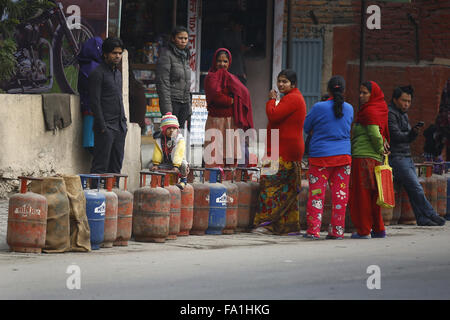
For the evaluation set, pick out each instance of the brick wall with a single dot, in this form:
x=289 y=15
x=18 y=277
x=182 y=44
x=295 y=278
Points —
x=396 y=40
x=325 y=12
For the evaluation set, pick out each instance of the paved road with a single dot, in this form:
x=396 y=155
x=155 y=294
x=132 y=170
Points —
x=414 y=263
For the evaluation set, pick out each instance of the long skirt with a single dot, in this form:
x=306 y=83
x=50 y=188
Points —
x=364 y=211
x=221 y=150
x=279 y=210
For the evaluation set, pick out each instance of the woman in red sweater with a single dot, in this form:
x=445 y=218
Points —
x=279 y=211
x=229 y=107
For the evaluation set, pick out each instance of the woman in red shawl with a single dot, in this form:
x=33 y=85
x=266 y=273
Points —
x=229 y=107
x=370 y=140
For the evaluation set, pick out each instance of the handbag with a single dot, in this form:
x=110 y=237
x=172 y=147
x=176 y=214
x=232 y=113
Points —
x=385 y=184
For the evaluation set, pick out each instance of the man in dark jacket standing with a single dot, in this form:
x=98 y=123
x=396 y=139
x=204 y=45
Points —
x=404 y=172
x=110 y=123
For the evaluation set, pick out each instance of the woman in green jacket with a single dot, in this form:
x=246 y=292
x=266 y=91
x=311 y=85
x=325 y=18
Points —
x=370 y=139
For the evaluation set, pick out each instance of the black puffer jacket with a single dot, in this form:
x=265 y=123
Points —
x=173 y=77
x=400 y=132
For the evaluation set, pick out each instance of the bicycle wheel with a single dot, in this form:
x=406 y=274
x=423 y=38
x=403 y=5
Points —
x=66 y=63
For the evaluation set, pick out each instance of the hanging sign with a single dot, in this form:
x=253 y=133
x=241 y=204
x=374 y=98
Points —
x=194 y=41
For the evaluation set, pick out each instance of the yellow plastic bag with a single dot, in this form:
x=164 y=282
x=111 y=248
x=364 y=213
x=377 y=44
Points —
x=383 y=175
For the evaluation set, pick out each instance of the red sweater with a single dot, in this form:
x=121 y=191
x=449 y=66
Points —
x=220 y=105
x=288 y=116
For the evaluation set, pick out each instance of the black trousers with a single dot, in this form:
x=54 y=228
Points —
x=181 y=111
x=108 y=151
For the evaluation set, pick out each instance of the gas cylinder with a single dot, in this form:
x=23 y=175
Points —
x=187 y=210
x=245 y=198
x=327 y=210
x=441 y=182
x=255 y=189
x=407 y=214
x=124 y=212
x=217 y=203
x=95 y=210
x=27 y=220
x=201 y=205
x=232 y=201
x=151 y=209
x=396 y=213
x=175 y=203
x=302 y=203
x=111 y=209
x=447 y=176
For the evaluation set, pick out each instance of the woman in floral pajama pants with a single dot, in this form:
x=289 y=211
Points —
x=329 y=123
x=338 y=178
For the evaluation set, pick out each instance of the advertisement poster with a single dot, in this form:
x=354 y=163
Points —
x=48 y=44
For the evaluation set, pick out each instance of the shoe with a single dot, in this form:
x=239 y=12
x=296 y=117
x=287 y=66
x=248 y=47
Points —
x=427 y=223
x=381 y=234
x=447 y=217
x=437 y=219
x=355 y=235
x=310 y=236
x=330 y=237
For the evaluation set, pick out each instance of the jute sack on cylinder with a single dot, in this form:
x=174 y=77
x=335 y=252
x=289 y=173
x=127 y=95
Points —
x=80 y=235
x=58 y=227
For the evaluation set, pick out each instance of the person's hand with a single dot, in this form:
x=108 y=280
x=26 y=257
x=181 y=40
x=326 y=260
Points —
x=154 y=168
x=387 y=147
x=273 y=94
x=232 y=101
x=176 y=170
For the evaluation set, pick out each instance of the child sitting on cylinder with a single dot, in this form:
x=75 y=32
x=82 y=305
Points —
x=170 y=147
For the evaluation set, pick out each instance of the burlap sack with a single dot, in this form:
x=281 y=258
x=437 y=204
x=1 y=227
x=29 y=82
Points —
x=58 y=227
x=79 y=227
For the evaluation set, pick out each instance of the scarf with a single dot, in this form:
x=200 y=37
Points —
x=219 y=79
x=182 y=53
x=375 y=111
x=90 y=55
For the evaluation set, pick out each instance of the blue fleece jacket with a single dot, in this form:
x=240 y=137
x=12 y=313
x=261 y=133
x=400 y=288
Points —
x=329 y=136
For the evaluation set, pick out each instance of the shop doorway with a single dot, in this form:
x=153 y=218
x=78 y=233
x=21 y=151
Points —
x=245 y=28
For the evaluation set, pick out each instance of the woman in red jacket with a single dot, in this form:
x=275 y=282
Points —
x=279 y=211
x=229 y=108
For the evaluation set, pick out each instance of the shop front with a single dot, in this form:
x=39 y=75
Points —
x=246 y=27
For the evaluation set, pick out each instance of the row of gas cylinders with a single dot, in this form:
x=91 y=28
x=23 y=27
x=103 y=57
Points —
x=219 y=206
x=153 y=213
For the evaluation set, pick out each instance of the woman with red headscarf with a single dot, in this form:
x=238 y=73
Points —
x=229 y=107
x=370 y=140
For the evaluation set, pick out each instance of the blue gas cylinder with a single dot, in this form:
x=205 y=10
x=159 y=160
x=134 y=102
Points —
x=447 y=216
x=217 y=203
x=95 y=211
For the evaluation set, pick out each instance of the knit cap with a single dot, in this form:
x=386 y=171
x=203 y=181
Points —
x=169 y=120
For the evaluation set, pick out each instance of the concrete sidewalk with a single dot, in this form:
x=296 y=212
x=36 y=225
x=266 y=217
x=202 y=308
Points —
x=400 y=232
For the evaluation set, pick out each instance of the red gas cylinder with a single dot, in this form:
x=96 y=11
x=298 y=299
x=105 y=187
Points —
x=441 y=195
x=396 y=213
x=327 y=209
x=407 y=214
x=151 y=209
x=124 y=212
x=201 y=205
x=187 y=210
x=111 y=209
x=255 y=188
x=245 y=201
x=175 y=203
x=232 y=201
x=27 y=220
x=303 y=202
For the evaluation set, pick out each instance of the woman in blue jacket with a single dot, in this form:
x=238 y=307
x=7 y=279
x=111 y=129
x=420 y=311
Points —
x=329 y=123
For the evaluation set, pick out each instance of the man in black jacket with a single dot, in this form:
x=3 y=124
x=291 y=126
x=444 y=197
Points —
x=401 y=135
x=110 y=123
